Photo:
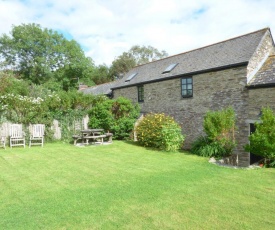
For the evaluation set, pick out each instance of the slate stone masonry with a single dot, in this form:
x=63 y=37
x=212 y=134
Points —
x=211 y=91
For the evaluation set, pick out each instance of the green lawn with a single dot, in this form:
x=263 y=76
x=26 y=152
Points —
x=123 y=186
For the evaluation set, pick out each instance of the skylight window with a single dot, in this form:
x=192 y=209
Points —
x=131 y=77
x=170 y=68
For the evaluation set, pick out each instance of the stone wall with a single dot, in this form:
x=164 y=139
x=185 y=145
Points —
x=211 y=91
x=258 y=98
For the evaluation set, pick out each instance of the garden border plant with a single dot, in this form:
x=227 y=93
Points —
x=262 y=141
x=159 y=131
x=219 y=141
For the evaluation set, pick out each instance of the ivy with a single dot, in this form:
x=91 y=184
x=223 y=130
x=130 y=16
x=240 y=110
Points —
x=37 y=104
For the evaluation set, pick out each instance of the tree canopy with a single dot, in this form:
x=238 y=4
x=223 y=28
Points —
x=43 y=56
x=137 y=55
x=101 y=74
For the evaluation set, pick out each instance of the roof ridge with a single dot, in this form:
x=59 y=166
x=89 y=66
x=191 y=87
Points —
x=95 y=86
x=105 y=83
x=257 y=31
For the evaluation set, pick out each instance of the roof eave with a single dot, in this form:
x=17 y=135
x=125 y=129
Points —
x=264 y=85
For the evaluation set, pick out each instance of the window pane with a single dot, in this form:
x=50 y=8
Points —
x=187 y=87
x=184 y=92
x=189 y=80
x=140 y=93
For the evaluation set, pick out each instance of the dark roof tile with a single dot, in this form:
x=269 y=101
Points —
x=103 y=89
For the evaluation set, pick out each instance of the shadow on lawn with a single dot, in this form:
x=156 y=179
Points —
x=135 y=143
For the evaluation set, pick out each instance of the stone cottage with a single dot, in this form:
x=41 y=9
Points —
x=239 y=72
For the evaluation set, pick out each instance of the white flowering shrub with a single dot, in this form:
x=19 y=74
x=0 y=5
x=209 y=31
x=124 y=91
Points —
x=24 y=108
x=21 y=102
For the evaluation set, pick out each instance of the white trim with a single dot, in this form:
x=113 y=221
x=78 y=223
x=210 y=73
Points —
x=252 y=121
x=260 y=64
x=253 y=73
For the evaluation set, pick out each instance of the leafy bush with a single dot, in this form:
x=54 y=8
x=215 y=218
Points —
x=117 y=116
x=203 y=146
x=10 y=84
x=262 y=141
x=220 y=127
x=101 y=115
x=159 y=131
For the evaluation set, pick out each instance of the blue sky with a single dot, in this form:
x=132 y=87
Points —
x=106 y=28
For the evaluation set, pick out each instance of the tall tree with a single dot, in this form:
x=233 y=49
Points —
x=43 y=55
x=101 y=74
x=137 y=55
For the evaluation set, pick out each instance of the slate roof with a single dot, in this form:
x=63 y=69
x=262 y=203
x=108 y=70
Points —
x=265 y=75
x=102 y=89
x=223 y=54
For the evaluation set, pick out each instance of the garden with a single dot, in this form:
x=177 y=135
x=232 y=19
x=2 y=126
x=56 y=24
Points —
x=148 y=184
x=126 y=186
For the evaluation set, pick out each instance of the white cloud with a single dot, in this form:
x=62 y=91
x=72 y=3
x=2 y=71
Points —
x=106 y=28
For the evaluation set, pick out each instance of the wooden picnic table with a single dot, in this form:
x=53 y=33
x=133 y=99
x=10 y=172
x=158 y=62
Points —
x=93 y=134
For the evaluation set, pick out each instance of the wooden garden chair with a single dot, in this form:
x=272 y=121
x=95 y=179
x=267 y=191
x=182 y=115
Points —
x=17 y=135
x=37 y=134
x=3 y=141
x=77 y=127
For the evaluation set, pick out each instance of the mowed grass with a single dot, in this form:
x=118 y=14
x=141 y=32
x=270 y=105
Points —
x=123 y=186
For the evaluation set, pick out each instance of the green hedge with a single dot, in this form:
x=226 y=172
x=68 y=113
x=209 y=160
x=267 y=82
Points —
x=117 y=116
